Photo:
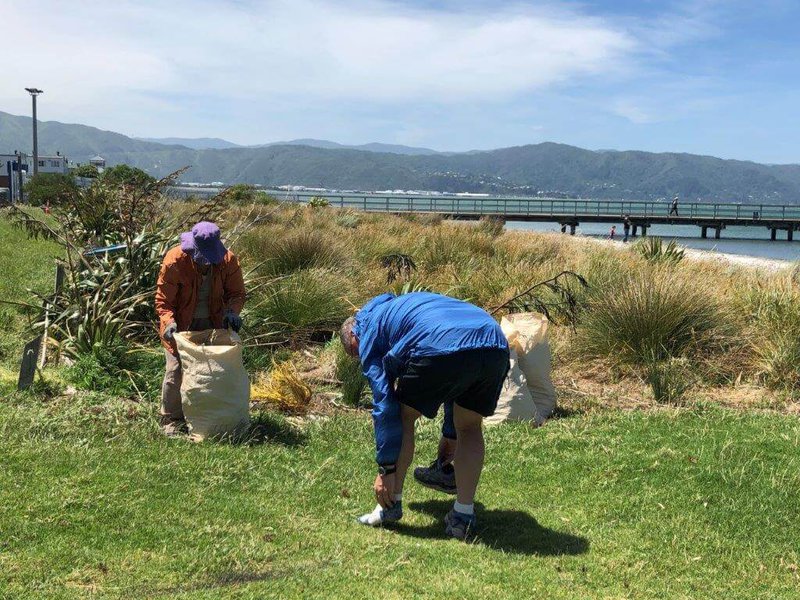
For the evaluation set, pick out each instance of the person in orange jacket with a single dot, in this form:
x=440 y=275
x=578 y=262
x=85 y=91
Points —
x=200 y=286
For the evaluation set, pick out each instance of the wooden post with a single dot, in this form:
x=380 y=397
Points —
x=704 y=232
x=28 y=367
x=634 y=230
x=572 y=229
x=718 y=232
x=644 y=230
x=790 y=234
x=773 y=234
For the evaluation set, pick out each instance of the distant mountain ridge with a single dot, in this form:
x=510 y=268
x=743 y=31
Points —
x=194 y=143
x=523 y=170
x=220 y=144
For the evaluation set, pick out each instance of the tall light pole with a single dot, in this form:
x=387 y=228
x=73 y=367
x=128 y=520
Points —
x=35 y=92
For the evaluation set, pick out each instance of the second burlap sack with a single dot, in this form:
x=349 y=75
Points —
x=528 y=393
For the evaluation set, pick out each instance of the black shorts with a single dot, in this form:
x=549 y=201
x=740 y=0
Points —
x=472 y=379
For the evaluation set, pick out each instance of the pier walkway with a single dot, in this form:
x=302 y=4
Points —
x=570 y=213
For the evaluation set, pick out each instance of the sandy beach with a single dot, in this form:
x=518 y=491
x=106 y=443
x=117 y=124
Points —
x=764 y=264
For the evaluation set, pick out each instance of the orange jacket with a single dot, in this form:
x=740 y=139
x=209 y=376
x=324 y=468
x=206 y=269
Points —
x=179 y=284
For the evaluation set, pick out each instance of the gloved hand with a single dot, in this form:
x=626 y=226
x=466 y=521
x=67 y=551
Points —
x=169 y=331
x=232 y=320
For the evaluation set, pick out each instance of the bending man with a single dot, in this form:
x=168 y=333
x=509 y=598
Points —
x=420 y=351
x=200 y=286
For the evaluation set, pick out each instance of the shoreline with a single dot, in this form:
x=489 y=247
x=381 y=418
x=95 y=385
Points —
x=772 y=265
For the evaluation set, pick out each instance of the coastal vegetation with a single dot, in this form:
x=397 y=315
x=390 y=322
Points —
x=671 y=467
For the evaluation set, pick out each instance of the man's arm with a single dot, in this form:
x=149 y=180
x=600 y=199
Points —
x=385 y=415
x=167 y=292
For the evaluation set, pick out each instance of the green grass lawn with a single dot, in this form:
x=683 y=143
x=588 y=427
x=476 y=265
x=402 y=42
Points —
x=24 y=264
x=659 y=504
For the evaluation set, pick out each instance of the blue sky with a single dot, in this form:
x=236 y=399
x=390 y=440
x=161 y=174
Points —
x=718 y=77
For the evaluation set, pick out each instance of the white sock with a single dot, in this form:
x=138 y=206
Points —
x=464 y=509
x=374 y=518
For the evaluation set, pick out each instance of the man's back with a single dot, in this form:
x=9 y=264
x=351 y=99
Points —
x=426 y=324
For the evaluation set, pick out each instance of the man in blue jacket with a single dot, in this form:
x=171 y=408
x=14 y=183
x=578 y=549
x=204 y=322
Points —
x=420 y=351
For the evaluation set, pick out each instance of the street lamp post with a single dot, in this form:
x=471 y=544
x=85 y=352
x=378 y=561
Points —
x=35 y=92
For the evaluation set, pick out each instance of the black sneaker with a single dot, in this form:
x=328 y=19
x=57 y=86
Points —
x=437 y=477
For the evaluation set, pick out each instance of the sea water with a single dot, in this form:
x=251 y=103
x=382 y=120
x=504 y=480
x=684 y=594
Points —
x=742 y=241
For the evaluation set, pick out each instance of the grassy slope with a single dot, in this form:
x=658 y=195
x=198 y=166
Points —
x=660 y=504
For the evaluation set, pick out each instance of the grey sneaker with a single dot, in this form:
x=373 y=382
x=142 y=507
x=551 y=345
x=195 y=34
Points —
x=458 y=525
x=437 y=477
x=383 y=516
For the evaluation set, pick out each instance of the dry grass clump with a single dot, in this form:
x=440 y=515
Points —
x=282 y=389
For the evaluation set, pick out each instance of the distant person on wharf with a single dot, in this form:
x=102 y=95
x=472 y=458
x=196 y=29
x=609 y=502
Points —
x=420 y=351
x=673 y=209
x=200 y=286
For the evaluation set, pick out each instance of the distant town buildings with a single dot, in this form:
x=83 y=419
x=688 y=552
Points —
x=98 y=162
x=13 y=170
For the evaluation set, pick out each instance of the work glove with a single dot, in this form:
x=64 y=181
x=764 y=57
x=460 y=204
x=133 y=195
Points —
x=232 y=320
x=169 y=331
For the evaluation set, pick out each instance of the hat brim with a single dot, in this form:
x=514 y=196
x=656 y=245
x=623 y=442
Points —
x=213 y=254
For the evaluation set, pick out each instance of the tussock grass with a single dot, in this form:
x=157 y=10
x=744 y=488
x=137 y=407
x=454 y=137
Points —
x=302 y=304
x=653 y=315
x=295 y=252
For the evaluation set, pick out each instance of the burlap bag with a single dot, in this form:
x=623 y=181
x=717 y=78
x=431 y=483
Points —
x=215 y=392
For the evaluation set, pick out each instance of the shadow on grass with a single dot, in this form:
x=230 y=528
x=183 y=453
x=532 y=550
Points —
x=565 y=412
x=508 y=530
x=266 y=428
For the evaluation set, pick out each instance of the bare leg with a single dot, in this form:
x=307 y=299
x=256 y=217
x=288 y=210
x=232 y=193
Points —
x=470 y=451
x=409 y=416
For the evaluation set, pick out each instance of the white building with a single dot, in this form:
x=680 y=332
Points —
x=52 y=164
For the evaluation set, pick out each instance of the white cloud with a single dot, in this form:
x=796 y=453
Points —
x=140 y=60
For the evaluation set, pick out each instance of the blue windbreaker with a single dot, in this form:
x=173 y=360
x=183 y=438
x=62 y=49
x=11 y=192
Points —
x=393 y=329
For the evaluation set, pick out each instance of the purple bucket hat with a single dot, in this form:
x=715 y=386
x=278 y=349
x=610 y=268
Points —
x=202 y=243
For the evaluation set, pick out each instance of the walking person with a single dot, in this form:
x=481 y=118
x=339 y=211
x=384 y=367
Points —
x=613 y=233
x=673 y=209
x=420 y=351
x=200 y=286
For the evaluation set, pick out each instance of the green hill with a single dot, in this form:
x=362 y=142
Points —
x=547 y=167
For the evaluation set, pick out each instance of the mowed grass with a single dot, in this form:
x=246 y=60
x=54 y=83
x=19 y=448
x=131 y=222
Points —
x=670 y=503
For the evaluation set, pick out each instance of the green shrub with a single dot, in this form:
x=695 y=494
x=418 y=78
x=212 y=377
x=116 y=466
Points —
x=318 y=202
x=653 y=250
x=653 y=316
x=55 y=188
x=117 y=370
